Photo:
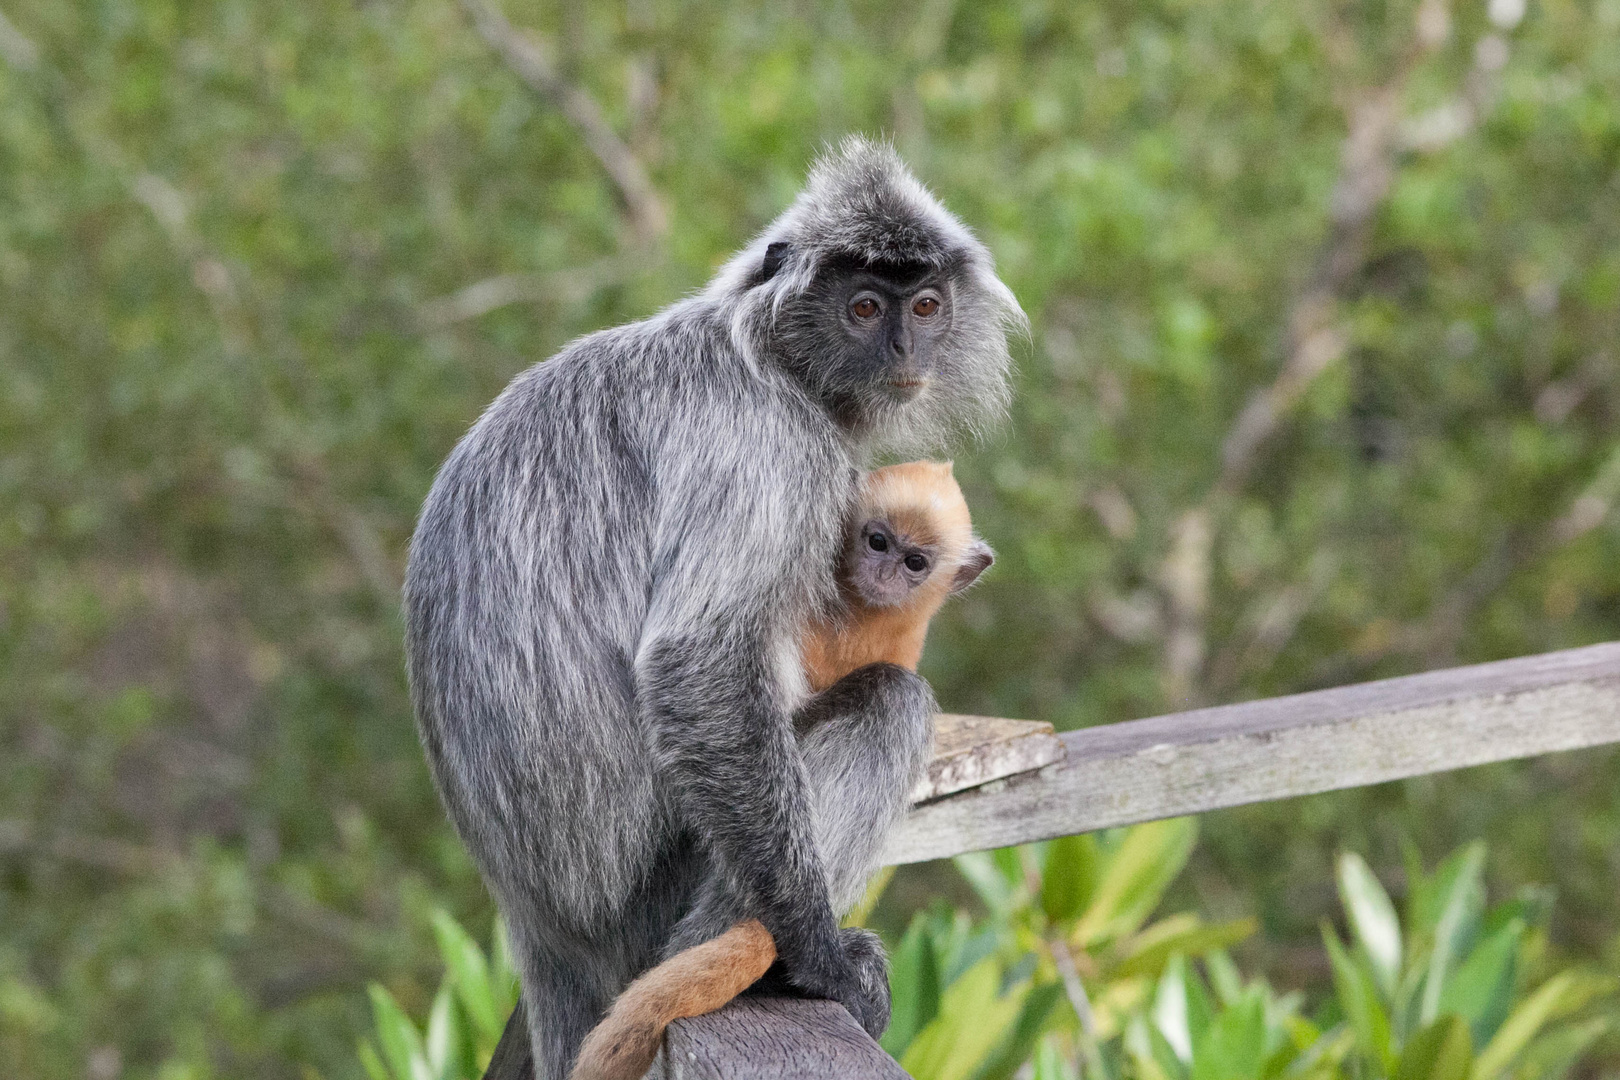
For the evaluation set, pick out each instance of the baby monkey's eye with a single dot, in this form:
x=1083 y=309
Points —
x=878 y=542
x=916 y=563
x=925 y=306
x=864 y=308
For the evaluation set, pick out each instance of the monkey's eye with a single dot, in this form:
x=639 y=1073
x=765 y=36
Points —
x=925 y=306
x=864 y=308
x=916 y=563
x=878 y=542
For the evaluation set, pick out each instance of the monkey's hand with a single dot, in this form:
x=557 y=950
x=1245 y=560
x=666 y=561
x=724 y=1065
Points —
x=870 y=1004
x=858 y=979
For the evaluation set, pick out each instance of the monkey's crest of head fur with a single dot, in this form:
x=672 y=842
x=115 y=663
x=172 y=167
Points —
x=861 y=202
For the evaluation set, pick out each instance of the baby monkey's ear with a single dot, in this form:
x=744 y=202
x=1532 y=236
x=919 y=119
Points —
x=975 y=562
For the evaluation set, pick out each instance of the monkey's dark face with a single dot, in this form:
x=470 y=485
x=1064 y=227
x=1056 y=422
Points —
x=892 y=326
x=869 y=338
x=886 y=565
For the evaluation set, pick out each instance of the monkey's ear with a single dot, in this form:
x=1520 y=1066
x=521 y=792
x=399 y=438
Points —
x=775 y=255
x=975 y=562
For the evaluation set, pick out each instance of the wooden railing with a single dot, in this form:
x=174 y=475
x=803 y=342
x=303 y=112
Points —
x=1208 y=759
x=1187 y=763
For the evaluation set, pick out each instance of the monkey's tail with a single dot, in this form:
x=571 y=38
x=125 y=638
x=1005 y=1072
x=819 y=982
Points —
x=693 y=982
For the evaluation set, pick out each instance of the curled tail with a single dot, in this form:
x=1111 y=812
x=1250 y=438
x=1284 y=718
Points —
x=690 y=983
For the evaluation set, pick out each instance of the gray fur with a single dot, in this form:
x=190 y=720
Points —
x=603 y=602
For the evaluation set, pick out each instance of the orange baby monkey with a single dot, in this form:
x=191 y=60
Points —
x=911 y=546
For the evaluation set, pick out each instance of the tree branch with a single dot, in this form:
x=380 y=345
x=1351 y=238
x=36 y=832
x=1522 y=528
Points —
x=492 y=293
x=531 y=64
x=1313 y=343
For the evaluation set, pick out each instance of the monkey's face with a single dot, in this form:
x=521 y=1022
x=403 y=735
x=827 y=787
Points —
x=886 y=566
x=869 y=338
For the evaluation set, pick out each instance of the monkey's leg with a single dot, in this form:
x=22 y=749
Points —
x=865 y=740
x=562 y=1002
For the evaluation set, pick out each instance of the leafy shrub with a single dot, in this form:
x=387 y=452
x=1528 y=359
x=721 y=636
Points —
x=1068 y=976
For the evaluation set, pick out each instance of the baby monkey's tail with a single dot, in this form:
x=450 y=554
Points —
x=693 y=982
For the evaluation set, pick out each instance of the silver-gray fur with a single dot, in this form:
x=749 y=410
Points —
x=605 y=592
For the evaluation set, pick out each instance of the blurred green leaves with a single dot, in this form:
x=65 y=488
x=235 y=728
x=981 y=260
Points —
x=1459 y=984
x=464 y=1023
x=983 y=1000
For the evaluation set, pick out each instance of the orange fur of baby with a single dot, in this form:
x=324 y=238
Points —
x=921 y=500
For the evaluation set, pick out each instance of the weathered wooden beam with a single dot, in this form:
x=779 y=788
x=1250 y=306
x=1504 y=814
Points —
x=764 y=1038
x=974 y=750
x=1207 y=759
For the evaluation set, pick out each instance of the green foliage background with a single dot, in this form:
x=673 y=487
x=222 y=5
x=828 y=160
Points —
x=261 y=263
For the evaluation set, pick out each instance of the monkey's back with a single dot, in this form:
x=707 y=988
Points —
x=528 y=597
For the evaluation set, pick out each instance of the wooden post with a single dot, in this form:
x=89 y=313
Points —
x=760 y=1038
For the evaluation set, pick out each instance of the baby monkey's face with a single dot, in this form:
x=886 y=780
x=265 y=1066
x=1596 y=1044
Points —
x=887 y=564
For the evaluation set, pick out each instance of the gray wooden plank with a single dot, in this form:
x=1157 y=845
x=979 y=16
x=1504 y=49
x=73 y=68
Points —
x=974 y=750
x=766 y=1038
x=1207 y=759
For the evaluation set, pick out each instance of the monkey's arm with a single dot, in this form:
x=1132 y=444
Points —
x=742 y=544
x=725 y=741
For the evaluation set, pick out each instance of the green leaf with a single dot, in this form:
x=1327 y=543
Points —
x=443 y=1043
x=1531 y=904
x=1457 y=875
x=1456 y=896
x=470 y=974
x=1358 y=997
x=1200 y=1009
x=961 y=951
x=1321 y=1054
x=914 y=986
x=1481 y=989
x=973 y=1018
x=1134 y=879
x=1224 y=978
x=1171 y=1009
x=1234 y=1046
x=1069 y=876
x=1011 y=1055
x=401 y=1043
x=1558 y=996
x=1016 y=865
x=369 y=1061
x=1050 y=1064
x=1551 y=1055
x=986 y=878
x=1441 y=1051
x=1372 y=920
x=1146 y=952
x=1150 y=1053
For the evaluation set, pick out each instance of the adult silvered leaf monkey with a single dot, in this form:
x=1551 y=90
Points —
x=607 y=584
